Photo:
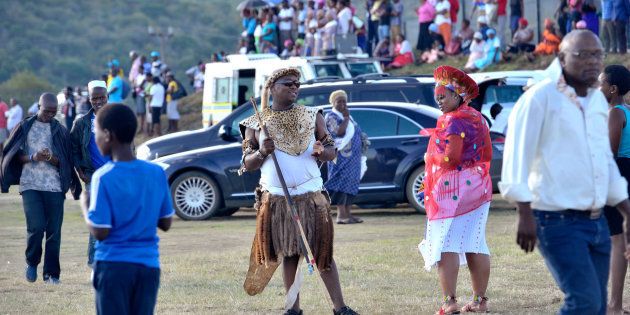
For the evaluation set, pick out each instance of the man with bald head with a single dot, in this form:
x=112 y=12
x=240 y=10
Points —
x=87 y=158
x=38 y=158
x=559 y=169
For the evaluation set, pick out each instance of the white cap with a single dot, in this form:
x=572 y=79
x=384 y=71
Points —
x=312 y=24
x=96 y=83
x=478 y=35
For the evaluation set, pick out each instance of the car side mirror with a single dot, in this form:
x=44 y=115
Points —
x=225 y=133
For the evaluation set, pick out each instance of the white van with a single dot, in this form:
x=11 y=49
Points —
x=229 y=84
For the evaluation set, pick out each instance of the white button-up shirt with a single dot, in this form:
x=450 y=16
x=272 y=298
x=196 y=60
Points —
x=557 y=152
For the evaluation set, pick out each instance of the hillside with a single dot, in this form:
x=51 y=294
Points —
x=69 y=42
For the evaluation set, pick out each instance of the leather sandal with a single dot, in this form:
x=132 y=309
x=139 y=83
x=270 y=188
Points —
x=449 y=306
x=479 y=304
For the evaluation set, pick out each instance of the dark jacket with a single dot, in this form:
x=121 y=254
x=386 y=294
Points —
x=80 y=136
x=11 y=167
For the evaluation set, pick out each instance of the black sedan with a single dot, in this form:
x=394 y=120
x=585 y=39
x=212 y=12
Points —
x=205 y=183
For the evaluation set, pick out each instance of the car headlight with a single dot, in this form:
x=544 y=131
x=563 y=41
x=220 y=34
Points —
x=163 y=165
x=143 y=152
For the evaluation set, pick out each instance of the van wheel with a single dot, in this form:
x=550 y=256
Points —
x=196 y=196
x=411 y=190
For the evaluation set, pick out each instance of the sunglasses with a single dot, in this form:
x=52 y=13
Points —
x=290 y=84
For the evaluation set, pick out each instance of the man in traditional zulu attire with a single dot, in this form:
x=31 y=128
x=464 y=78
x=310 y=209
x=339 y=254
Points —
x=300 y=139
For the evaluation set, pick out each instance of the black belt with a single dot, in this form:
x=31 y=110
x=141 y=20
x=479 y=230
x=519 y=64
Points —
x=593 y=214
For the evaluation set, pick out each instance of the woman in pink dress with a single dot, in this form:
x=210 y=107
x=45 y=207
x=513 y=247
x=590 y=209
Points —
x=458 y=191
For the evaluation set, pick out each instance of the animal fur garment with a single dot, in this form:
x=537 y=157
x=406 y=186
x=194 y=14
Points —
x=278 y=236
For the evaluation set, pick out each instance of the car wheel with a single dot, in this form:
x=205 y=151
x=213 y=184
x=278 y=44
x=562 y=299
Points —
x=413 y=184
x=195 y=196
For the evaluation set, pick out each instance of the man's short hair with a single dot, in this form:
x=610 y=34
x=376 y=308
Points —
x=119 y=120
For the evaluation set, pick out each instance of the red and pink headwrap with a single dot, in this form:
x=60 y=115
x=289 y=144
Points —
x=455 y=80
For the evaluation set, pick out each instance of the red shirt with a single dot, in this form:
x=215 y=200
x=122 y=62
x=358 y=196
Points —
x=3 y=119
x=454 y=10
x=501 y=4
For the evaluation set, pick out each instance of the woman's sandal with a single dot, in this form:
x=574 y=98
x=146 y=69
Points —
x=479 y=304
x=449 y=306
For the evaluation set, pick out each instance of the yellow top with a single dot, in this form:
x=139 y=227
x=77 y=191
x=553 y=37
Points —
x=172 y=88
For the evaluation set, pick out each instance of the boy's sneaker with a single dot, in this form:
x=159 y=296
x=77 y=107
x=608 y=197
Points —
x=31 y=273
x=51 y=280
x=345 y=311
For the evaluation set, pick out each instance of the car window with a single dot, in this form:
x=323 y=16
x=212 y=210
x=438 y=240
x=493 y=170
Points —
x=235 y=131
x=327 y=70
x=376 y=123
x=313 y=99
x=407 y=128
x=502 y=94
x=361 y=68
x=392 y=95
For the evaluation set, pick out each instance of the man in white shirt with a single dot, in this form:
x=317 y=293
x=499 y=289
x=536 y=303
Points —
x=285 y=16
x=558 y=162
x=156 y=96
x=14 y=115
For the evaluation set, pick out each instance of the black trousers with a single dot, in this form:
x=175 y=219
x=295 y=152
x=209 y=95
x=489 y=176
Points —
x=125 y=288
x=622 y=40
x=44 y=215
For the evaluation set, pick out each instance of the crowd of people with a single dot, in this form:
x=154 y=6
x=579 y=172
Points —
x=500 y=31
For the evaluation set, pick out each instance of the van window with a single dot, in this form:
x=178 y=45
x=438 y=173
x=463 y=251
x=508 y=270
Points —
x=502 y=94
x=222 y=90
x=328 y=70
x=361 y=68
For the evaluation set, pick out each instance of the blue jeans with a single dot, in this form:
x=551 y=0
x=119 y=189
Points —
x=44 y=215
x=125 y=288
x=383 y=31
x=576 y=249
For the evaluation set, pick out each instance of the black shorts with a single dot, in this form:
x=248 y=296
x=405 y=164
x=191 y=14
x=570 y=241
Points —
x=338 y=198
x=125 y=288
x=156 y=112
x=614 y=218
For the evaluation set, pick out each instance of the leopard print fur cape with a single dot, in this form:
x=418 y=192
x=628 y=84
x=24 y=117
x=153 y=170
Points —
x=291 y=130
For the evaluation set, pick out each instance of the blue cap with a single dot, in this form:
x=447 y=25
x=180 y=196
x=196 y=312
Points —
x=490 y=31
x=155 y=54
x=146 y=67
x=115 y=63
x=433 y=28
x=109 y=64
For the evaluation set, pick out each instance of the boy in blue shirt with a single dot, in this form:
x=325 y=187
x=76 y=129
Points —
x=128 y=201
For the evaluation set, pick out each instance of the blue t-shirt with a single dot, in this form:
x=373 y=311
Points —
x=271 y=36
x=250 y=25
x=97 y=158
x=116 y=97
x=129 y=198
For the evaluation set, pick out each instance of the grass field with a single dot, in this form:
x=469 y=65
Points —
x=204 y=264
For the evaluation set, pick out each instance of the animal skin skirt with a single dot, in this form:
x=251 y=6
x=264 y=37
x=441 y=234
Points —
x=278 y=236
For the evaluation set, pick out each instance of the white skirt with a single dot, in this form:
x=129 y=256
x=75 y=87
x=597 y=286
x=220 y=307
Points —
x=462 y=234
x=171 y=110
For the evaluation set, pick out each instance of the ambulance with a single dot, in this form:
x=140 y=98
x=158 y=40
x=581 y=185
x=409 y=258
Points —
x=229 y=84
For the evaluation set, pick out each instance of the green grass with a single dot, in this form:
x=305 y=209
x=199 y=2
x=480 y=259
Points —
x=204 y=264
